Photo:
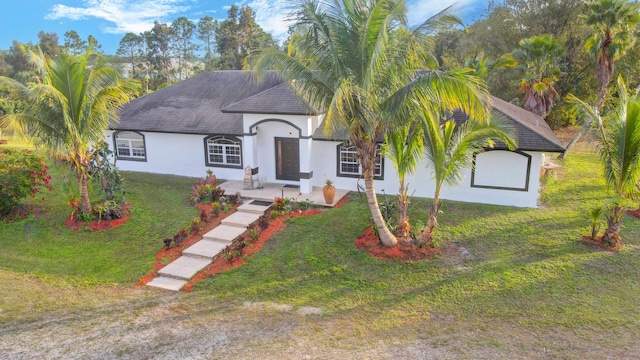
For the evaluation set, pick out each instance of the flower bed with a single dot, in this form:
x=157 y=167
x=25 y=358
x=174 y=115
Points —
x=370 y=243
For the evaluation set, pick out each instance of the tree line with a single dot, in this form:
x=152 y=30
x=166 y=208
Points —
x=167 y=53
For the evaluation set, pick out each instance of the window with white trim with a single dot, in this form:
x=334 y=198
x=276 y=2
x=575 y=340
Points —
x=349 y=165
x=130 y=146
x=223 y=151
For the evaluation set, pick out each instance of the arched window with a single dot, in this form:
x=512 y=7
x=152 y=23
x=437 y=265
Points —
x=129 y=145
x=223 y=151
x=349 y=166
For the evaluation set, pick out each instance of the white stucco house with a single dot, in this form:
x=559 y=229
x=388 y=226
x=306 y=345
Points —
x=225 y=121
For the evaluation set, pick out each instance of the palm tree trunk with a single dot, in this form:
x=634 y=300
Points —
x=432 y=222
x=614 y=222
x=386 y=237
x=85 y=204
x=403 y=229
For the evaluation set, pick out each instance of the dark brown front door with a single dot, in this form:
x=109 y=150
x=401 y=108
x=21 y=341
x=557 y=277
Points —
x=287 y=159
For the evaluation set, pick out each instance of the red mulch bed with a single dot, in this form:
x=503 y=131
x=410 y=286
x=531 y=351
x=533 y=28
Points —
x=634 y=213
x=342 y=201
x=598 y=242
x=99 y=225
x=370 y=243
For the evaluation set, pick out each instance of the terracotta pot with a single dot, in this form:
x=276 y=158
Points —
x=329 y=193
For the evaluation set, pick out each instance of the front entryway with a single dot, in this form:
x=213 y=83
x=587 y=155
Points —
x=287 y=159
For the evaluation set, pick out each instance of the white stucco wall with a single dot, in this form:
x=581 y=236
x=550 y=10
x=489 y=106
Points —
x=182 y=154
x=495 y=168
x=176 y=154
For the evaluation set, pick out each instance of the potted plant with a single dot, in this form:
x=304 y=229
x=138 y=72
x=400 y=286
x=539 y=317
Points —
x=329 y=192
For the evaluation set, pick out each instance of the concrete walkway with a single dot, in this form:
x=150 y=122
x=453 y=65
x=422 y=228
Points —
x=199 y=255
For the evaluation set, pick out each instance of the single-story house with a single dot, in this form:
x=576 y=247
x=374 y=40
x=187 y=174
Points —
x=225 y=121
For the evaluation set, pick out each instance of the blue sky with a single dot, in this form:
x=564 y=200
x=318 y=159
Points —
x=109 y=20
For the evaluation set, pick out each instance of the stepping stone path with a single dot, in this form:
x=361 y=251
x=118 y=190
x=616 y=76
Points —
x=199 y=255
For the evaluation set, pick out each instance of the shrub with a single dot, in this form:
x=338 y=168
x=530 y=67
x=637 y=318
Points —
x=205 y=189
x=108 y=210
x=254 y=233
x=22 y=174
x=215 y=208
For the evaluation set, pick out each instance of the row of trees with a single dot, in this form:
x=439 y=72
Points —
x=224 y=44
x=554 y=45
x=357 y=59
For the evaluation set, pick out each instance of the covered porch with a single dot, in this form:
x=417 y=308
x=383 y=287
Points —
x=270 y=191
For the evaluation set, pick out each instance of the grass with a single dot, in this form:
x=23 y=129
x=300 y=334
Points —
x=43 y=246
x=511 y=283
x=525 y=266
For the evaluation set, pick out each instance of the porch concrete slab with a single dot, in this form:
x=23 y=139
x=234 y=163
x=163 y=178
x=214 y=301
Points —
x=251 y=208
x=241 y=219
x=167 y=283
x=205 y=249
x=224 y=234
x=270 y=191
x=184 y=267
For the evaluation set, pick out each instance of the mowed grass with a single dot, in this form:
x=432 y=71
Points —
x=43 y=246
x=514 y=276
x=501 y=265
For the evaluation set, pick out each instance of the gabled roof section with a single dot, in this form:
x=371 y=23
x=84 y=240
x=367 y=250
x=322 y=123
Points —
x=532 y=132
x=280 y=100
x=193 y=106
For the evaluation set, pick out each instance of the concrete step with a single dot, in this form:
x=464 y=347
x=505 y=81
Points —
x=167 y=283
x=184 y=267
x=224 y=234
x=252 y=208
x=204 y=248
x=241 y=219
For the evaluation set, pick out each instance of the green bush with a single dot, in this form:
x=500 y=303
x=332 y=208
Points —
x=22 y=174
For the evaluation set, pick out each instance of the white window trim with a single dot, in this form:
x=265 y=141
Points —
x=350 y=149
x=121 y=137
x=229 y=143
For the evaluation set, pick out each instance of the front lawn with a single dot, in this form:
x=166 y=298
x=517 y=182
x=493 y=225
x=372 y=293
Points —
x=43 y=246
x=510 y=283
x=525 y=267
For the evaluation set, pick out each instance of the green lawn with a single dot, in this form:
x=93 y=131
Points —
x=523 y=266
x=503 y=267
x=45 y=247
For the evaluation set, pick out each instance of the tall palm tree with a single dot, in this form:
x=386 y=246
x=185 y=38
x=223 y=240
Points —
x=613 y=24
x=403 y=147
x=539 y=57
x=449 y=150
x=69 y=108
x=357 y=59
x=619 y=151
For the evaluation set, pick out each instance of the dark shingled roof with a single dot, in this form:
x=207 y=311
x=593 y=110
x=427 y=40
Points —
x=280 y=99
x=193 y=106
x=532 y=132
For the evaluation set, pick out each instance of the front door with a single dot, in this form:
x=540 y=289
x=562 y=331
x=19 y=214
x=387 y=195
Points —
x=287 y=159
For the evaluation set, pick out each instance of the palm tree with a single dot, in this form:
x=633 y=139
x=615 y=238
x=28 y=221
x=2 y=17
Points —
x=482 y=65
x=357 y=59
x=69 y=108
x=539 y=57
x=619 y=151
x=403 y=147
x=613 y=24
x=448 y=151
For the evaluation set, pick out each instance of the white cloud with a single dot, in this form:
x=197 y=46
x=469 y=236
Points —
x=125 y=15
x=272 y=16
